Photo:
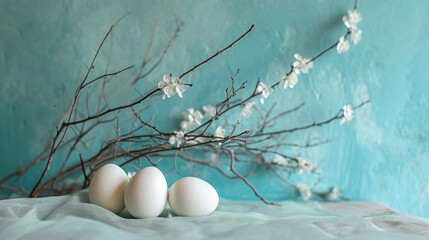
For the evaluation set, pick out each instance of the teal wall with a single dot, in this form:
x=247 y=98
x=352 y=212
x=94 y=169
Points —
x=382 y=155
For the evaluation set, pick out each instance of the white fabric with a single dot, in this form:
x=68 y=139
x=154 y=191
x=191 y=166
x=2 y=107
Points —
x=72 y=217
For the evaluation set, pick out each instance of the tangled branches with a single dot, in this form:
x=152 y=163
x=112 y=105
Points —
x=229 y=145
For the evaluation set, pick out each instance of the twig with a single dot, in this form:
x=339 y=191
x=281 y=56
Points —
x=232 y=167
x=107 y=75
x=82 y=164
x=62 y=131
x=217 y=53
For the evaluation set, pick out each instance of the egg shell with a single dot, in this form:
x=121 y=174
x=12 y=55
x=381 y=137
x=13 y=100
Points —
x=192 y=196
x=107 y=188
x=146 y=194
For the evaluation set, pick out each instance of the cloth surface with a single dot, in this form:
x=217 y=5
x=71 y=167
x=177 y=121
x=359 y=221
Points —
x=73 y=217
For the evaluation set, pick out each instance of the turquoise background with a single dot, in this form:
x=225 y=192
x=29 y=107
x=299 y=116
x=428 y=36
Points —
x=381 y=155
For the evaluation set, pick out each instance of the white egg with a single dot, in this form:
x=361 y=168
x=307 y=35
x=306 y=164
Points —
x=146 y=194
x=107 y=188
x=192 y=196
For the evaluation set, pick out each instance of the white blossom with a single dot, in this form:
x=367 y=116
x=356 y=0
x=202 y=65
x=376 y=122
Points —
x=247 y=109
x=131 y=174
x=280 y=160
x=347 y=114
x=334 y=194
x=304 y=166
x=171 y=86
x=195 y=116
x=304 y=190
x=177 y=139
x=289 y=81
x=343 y=45
x=194 y=141
x=209 y=110
x=266 y=90
x=352 y=19
x=185 y=125
x=214 y=157
x=356 y=36
x=219 y=132
x=301 y=64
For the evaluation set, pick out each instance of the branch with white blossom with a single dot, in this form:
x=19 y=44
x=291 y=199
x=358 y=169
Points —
x=136 y=139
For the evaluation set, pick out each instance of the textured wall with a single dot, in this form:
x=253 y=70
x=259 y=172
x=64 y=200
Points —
x=382 y=155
